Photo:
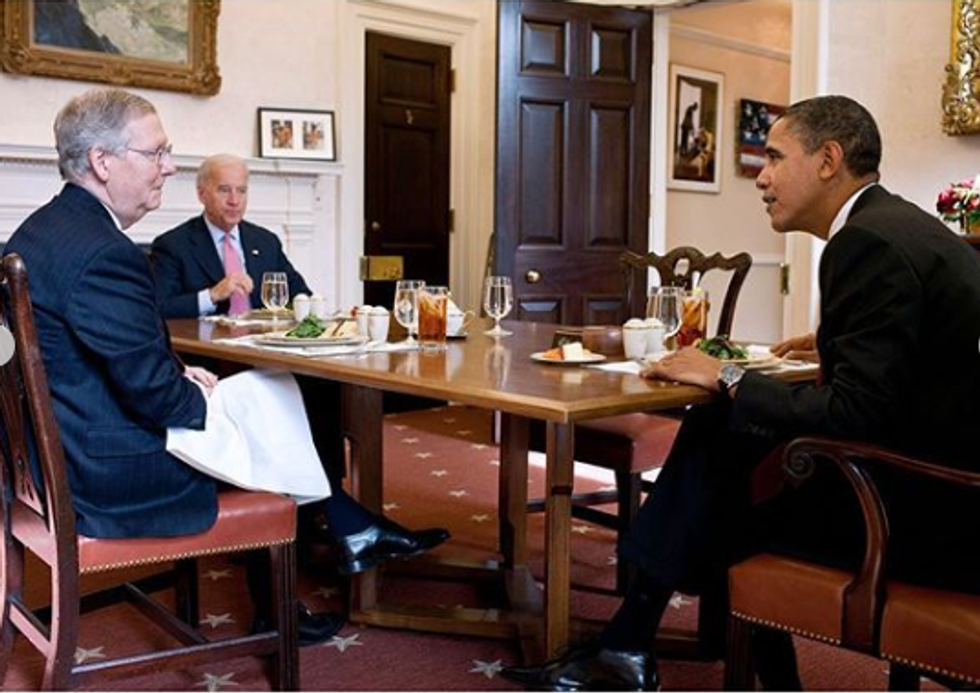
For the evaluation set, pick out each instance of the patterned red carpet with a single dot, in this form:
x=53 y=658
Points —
x=441 y=469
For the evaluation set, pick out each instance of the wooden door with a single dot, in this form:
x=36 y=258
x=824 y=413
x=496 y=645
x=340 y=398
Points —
x=573 y=156
x=407 y=160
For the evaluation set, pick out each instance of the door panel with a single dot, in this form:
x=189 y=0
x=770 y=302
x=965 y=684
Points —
x=407 y=159
x=573 y=156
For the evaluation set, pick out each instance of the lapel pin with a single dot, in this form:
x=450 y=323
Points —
x=255 y=251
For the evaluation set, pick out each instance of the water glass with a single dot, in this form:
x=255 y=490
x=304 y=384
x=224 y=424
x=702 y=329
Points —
x=406 y=306
x=433 y=303
x=498 y=299
x=664 y=304
x=275 y=292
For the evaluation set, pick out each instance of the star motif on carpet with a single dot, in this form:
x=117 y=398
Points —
x=326 y=592
x=215 y=620
x=423 y=455
x=464 y=432
x=400 y=427
x=449 y=420
x=459 y=493
x=342 y=643
x=480 y=518
x=410 y=441
x=582 y=529
x=488 y=669
x=439 y=472
x=612 y=560
x=390 y=506
x=478 y=446
x=218 y=574
x=215 y=683
x=494 y=463
x=83 y=655
x=677 y=601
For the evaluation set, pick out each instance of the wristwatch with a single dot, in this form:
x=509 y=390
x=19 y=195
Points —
x=729 y=376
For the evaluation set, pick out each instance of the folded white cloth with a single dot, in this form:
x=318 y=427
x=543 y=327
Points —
x=318 y=351
x=256 y=437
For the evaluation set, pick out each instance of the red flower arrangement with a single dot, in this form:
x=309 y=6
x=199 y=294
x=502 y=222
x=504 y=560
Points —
x=960 y=202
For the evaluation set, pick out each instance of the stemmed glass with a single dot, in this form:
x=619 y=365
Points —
x=498 y=299
x=406 y=306
x=275 y=292
x=664 y=304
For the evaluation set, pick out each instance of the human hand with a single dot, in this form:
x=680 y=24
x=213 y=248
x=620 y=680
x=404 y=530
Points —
x=201 y=376
x=802 y=347
x=689 y=365
x=240 y=282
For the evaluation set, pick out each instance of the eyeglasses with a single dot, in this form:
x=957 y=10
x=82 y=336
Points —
x=155 y=155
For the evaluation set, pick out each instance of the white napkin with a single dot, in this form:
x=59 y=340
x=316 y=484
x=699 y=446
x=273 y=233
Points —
x=631 y=367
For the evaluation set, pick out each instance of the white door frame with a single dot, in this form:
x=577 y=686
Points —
x=460 y=30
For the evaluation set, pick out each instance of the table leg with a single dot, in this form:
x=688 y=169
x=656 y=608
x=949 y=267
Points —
x=364 y=427
x=512 y=492
x=558 y=528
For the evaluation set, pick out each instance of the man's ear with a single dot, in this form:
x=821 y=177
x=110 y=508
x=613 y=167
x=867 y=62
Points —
x=832 y=159
x=97 y=161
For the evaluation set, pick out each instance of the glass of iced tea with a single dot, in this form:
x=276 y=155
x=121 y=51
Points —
x=694 y=317
x=433 y=302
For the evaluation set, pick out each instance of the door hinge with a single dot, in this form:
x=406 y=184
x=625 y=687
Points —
x=784 y=278
x=452 y=81
x=452 y=220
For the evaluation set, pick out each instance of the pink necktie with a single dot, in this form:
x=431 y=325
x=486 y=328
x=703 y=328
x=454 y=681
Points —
x=233 y=265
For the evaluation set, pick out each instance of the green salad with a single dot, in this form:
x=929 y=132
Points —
x=311 y=327
x=721 y=348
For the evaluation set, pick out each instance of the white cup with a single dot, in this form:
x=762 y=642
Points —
x=362 y=315
x=457 y=320
x=301 y=307
x=318 y=307
x=378 y=323
x=635 y=341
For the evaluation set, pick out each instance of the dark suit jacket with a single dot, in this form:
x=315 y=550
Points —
x=114 y=380
x=898 y=340
x=185 y=262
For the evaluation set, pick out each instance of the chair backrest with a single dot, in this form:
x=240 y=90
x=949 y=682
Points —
x=37 y=507
x=679 y=267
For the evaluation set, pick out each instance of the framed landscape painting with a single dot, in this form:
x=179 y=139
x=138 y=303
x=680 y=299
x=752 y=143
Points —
x=695 y=129
x=161 y=44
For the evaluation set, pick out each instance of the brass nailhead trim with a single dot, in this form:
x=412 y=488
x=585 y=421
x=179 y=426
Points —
x=780 y=626
x=188 y=554
x=928 y=667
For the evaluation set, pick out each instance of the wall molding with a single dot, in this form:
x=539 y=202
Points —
x=727 y=42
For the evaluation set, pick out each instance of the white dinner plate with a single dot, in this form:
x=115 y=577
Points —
x=589 y=358
x=754 y=361
x=280 y=339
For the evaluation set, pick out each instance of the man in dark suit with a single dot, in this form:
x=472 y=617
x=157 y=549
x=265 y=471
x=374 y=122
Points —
x=188 y=264
x=897 y=344
x=115 y=382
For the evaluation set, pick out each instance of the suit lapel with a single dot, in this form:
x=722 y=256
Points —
x=205 y=254
x=254 y=261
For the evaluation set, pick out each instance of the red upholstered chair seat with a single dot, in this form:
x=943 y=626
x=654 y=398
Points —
x=932 y=630
x=631 y=443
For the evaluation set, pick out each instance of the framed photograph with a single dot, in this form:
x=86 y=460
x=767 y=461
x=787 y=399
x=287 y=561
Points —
x=294 y=134
x=754 y=121
x=160 y=44
x=695 y=129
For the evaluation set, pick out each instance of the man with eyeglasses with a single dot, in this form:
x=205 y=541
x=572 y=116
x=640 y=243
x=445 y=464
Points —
x=115 y=383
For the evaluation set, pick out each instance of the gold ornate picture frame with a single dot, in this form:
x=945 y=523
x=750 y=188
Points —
x=160 y=44
x=961 y=92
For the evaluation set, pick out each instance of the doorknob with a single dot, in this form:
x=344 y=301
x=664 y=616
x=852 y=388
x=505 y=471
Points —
x=375 y=226
x=532 y=276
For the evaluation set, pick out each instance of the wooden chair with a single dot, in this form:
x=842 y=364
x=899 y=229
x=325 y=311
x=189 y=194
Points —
x=38 y=518
x=917 y=629
x=631 y=444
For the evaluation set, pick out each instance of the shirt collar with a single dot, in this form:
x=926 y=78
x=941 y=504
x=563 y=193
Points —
x=845 y=211
x=219 y=234
x=115 y=219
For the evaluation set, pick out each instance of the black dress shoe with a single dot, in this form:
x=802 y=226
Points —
x=313 y=628
x=590 y=669
x=382 y=541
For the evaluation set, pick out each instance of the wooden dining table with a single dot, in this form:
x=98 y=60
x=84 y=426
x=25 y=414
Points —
x=494 y=374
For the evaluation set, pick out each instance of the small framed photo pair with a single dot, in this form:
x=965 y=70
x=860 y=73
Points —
x=696 y=105
x=297 y=134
